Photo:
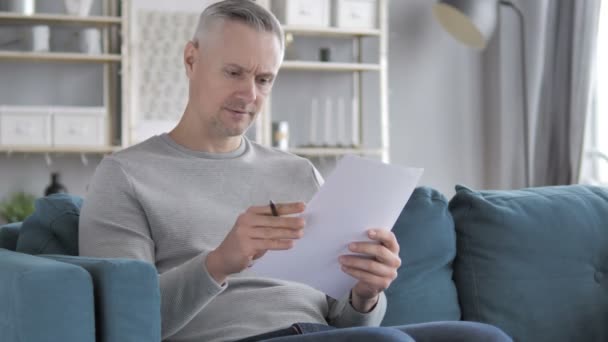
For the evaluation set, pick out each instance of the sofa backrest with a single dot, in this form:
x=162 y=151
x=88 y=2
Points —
x=424 y=290
x=8 y=235
x=534 y=262
x=126 y=292
x=53 y=227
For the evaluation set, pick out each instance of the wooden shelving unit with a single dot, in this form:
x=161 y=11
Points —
x=58 y=150
x=329 y=66
x=9 y=18
x=356 y=68
x=109 y=24
x=332 y=151
x=111 y=21
x=66 y=57
x=331 y=32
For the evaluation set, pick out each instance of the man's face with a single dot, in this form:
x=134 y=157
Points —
x=234 y=69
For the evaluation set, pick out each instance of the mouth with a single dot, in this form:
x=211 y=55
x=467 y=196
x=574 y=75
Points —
x=237 y=112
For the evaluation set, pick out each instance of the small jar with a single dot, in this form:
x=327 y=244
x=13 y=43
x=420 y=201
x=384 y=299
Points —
x=280 y=135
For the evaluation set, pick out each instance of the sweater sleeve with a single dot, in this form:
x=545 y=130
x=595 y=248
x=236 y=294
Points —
x=343 y=315
x=113 y=224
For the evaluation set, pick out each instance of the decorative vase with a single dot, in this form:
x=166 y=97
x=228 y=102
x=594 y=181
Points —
x=38 y=38
x=90 y=41
x=78 y=7
x=27 y=7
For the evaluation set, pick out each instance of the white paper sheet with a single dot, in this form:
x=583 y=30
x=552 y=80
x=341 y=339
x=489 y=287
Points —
x=359 y=194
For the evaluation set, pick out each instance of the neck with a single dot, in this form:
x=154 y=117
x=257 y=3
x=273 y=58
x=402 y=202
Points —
x=191 y=133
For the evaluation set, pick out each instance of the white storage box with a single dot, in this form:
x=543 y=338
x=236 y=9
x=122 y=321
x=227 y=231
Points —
x=361 y=14
x=79 y=126
x=314 y=13
x=25 y=126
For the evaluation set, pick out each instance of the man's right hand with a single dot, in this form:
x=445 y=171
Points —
x=255 y=232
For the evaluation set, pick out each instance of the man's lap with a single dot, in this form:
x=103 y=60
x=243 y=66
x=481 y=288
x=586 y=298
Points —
x=432 y=332
x=305 y=332
x=454 y=331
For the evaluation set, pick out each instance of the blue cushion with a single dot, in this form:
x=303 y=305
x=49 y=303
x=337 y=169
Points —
x=424 y=290
x=53 y=227
x=534 y=262
x=8 y=235
x=127 y=298
x=44 y=300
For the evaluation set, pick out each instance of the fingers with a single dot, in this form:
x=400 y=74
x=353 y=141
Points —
x=276 y=233
x=282 y=209
x=377 y=251
x=386 y=238
x=277 y=222
x=368 y=266
x=259 y=218
x=272 y=245
x=249 y=219
x=257 y=231
x=370 y=279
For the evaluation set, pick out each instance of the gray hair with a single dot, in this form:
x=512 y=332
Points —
x=244 y=11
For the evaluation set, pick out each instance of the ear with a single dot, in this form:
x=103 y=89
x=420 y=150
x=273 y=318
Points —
x=190 y=57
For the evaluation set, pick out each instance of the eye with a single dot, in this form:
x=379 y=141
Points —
x=265 y=80
x=233 y=73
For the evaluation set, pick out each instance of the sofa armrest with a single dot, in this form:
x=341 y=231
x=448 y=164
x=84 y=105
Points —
x=44 y=300
x=8 y=235
x=127 y=297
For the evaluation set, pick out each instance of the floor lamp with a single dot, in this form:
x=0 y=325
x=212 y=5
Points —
x=473 y=22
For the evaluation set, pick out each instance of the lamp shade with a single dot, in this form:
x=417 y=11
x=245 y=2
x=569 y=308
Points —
x=470 y=21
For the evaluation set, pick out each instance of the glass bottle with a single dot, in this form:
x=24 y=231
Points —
x=55 y=187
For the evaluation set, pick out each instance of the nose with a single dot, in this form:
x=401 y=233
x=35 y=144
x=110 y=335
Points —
x=248 y=91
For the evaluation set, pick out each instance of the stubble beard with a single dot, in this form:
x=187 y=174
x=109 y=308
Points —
x=227 y=131
x=239 y=106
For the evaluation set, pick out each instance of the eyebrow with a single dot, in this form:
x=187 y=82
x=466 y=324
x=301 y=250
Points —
x=242 y=68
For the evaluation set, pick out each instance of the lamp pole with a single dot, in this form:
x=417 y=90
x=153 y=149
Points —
x=524 y=81
x=473 y=22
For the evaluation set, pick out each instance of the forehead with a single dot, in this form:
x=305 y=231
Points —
x=237 y=43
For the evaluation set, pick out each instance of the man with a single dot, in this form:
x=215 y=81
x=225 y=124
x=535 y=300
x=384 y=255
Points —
x=193 y=203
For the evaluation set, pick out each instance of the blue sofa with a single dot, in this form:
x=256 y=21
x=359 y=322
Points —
x=532 y=262
x=49 y=294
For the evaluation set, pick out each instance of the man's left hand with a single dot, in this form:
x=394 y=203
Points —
x=375 y=268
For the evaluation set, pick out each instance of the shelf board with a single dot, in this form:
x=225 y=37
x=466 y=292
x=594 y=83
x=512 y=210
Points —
x=328 y=66
x=319 y=151
x=330 y=31
x=25 y=56
x=58 y=19
x=60 y=150
x=334 y=151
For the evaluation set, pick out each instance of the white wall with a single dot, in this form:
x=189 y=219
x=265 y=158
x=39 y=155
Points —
x=31 y=173
x=435 y=111
x=435 y=102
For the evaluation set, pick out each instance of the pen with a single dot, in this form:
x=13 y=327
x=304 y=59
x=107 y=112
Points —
x=273 y=208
